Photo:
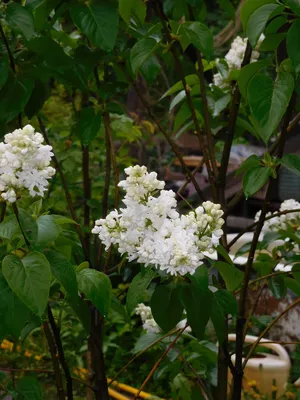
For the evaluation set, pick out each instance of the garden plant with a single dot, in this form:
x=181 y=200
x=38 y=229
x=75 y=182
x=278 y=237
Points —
x=95 y=250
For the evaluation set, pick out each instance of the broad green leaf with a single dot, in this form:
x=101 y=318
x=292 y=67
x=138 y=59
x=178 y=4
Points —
x=232 y=275
x=144 y=341
x=13 y=312
x=21 y=19
x=29 y=388
x=141 y=51
x=96 y=287
x=224 y=254
x=137 y=289
x=293 y=45
x=290 y=161
x=197 y=34
x=293 y=285
x=228 y=8
x=252 y=161
x=271 y=42
x=61 y=220
x=277 y=286
x=197 y=317
x=254 y=179
x=42 y=12
x=98 y=21
x=9 y=227
x=247 y=73
x=177 y=99
x=30 y=279
x=118 y=307
x=149 y=70
x=29 y=225
x=63 y=271
x=82 y=311
x=218 y=320
x=36 y=207
x=246 y=126
x=14 y=96
x=249 y=7
x=88 y=125
x=132 y=8
x=227 y=302
x=166 y=306
x=39 y=95
x=275 y=24
x=258 y=20
x=269 y=100
x=294 y=5
x=4 y=67
x=48 y=230
x=200 y=278
x=33 y=323
x=191 y=80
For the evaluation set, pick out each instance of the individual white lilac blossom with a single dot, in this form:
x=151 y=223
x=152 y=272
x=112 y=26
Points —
x=151 y=231
x=281 y=222
x=234 y=59
x=149 y=323
x=24 y=164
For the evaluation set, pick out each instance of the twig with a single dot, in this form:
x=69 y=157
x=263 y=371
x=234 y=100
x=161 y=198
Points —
x=11 y=58
x=187 y=181
x=169 y=139
x=252 y=348
x=61 y=354
x=265 y=277
x=3 y=211
x=66 y=190
x=16 y=211
x=52 y=348
x=156 y=365
x=250 y=227
x=87 y=194
x=251 y=313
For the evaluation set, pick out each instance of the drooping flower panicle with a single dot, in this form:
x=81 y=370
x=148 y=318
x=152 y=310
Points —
x=151 y=231
x=24 y=164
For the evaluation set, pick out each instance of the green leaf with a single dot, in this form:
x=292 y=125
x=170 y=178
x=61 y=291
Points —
x=197 y=317
x=14 y=96
x=271 y=42
x=254 y=179
x=191 y=80
x=232 y=275
x=218 y=320
x=29 y=388
x=30 y=279
x=293 y=285
x=141 y=51
x=277 y=286
x=166 y=306
x=290 y=161
x=145 y=341
x=39 y=95
x=98 y=21
x=258 y=20
x=96 y=287
x=63 y=271
x=82 y=311
x=275 y=24
x=9 y=227
x=200 y=278
x=228 y=8
x=20 y=19
x=227 y=302
x=249 y=7
x=269 y=100
x=132 y=8
x=29 y=225
x=197 y=34
x=48 y=231
x=252 y=161
x=293 y=45
x=224 y=254
x=150 y=69
x=247 y=73
x=294 y=5
x=118 y=307
x=137 y=288
x=88 y=125
x=61 y=220
x=4 y=67
x=13 y=312
x=34 y=322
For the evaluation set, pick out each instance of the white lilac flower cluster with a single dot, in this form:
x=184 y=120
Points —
x=149 y=323
x=234 y=59
x=24 y=164
x=150 y=230
x=281 y=222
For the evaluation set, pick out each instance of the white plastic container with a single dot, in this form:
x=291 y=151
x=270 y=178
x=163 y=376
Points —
x=266 y=368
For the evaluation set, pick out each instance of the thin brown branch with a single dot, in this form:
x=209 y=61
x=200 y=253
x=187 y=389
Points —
x=61 y=354
x=11 y=58
x=87 y=194
x=57 y=372
x=157 y=364
x=66 y=190
x=16 y=212
x=266 y=330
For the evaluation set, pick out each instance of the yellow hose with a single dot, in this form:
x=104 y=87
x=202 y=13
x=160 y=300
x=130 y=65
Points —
x=115 y=395
x=129 y=389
